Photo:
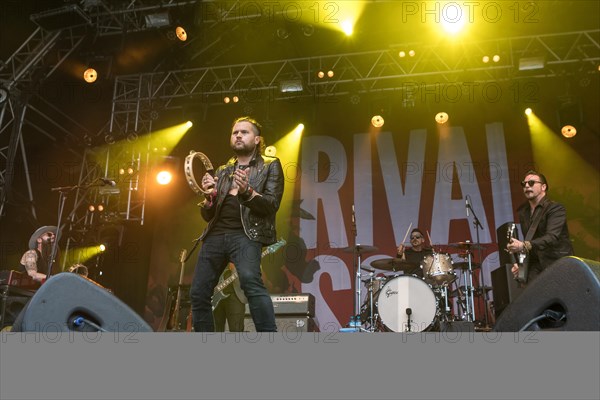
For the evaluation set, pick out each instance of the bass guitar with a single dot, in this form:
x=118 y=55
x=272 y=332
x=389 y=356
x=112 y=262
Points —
x=219 y=295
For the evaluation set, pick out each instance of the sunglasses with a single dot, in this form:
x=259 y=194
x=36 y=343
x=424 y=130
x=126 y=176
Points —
x=416 y=237
x=530 y=183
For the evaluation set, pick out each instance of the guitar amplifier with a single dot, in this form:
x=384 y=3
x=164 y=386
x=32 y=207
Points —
x=301 y=304
x=286 y=324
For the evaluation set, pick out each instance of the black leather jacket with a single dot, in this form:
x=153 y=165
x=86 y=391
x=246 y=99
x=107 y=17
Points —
x=258 y=213
x=551 y=238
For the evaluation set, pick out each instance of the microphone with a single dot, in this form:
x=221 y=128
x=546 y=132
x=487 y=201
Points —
x=467 y=205
x=108 y=182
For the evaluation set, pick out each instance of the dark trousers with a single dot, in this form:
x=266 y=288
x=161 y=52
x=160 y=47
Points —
x=216 y=252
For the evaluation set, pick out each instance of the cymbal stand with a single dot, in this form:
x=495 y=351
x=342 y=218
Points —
x=478 y=226
x=444 y=294
x=470 y=296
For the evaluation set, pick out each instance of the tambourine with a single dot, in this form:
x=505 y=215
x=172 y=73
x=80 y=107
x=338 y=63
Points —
x=79 y=269
x=189 y=170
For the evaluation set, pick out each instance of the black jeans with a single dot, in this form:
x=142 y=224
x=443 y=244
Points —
x=216 y=252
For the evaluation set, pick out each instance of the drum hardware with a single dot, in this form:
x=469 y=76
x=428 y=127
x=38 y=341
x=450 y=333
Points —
x=357 y=250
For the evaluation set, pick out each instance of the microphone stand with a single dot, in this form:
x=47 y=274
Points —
x=356 y=256
x=477 y=225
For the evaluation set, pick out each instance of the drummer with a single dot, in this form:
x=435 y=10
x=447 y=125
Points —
x=416 y=252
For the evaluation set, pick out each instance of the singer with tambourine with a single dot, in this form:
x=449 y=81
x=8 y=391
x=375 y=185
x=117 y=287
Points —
x=240 y=202
x=544 y=224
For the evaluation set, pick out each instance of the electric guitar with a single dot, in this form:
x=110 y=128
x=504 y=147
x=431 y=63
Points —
x=521 y=258
x=218 y=294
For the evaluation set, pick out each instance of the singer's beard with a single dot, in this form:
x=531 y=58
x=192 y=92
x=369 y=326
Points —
x=244 y=150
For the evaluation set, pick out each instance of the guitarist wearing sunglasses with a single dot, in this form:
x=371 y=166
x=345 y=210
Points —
x=544 y=224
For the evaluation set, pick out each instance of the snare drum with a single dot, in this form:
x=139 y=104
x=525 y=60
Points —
x=406 y=298
x=438 y=269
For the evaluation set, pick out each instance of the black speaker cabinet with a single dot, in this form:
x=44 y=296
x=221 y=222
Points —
x=285 y=325
x=567 y=293
x=505 y=288
x=70 y=302
x=11 y=304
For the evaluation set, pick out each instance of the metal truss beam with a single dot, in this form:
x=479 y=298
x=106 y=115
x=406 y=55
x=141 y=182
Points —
x=136 y=96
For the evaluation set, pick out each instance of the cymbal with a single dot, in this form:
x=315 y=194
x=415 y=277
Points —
x=360 y=248
x=466 y=245
x=465 y=265
x=394 y=264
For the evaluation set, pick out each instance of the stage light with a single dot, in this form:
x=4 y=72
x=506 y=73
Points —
x=270 y=151
x=528 y=111
x=164 y=177
x=235 y=99
x=226 y=100
x=157 y=20
x=189 y=124
x=181 y=33
x=496 y=58
x=102 y=248
x=91 y=208
x=568 y=131
x=441 y=118
x=402 y=54
x=308 y=30
x=330 y=74
x=321 y=74
x=453 y=18
x=485 y=59
x=347 y=27
x=377 y=121
x=90 y=75
x=100 y=207
x=411 y=53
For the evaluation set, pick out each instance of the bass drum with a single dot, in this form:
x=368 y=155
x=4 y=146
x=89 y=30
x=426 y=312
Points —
x=406 y=298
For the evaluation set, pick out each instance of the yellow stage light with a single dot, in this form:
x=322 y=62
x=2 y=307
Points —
x=181 y=33
x=568 y=131
x=330 y=74
x=496 y=58
x=90 y=75
x=377 y=121
x=102 y=248
x=528 y=111
x=189 y=124
x=402 y=54
x=321 y=74
x=441 y=118
x=485 y=59
x=271 y=151
x=164 y=177
x=347 y=27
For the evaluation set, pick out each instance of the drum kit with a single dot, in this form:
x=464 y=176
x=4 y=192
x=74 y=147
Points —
x=403 y=301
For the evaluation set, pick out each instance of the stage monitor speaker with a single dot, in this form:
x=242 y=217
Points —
x=10 y=309
x=565 y=296
x=286 y=324
x=70 y=302
x=505 y=288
